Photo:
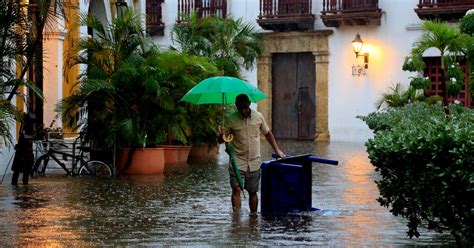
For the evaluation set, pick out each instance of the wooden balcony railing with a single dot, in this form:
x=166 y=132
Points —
x=449 y=10
x=154 y=22
x=443 y=3
x=350 y=12
x=284 y=8
x=286 y=15
x=203 y=8
x=346 y=6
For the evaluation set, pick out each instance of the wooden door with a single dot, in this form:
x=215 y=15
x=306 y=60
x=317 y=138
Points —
x=293 y=109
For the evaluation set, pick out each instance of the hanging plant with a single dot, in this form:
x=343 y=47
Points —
x=471 y=85
x=454 y=86
x=420 y=82
x=454 y=78
x=413 y=64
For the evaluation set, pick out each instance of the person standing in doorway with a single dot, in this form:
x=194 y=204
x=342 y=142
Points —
x=246 y=125
x=24 y=158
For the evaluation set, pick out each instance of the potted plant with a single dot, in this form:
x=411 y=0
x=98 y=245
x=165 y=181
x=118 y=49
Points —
x=152 y=116
x=132 y=90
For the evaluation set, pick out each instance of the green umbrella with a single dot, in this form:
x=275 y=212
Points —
x=222 y=90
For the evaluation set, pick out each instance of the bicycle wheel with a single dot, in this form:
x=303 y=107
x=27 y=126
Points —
x=40 y=166
x=95 y=168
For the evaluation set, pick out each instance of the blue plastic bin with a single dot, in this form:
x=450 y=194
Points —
x=286 y=184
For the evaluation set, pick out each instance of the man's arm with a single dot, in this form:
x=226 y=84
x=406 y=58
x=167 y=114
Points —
x=271 y=140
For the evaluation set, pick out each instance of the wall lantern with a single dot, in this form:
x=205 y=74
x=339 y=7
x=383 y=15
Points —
x=120 y=6
x=357 y=44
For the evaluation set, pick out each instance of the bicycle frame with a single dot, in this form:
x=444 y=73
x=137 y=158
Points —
x=53 y=154
x=87 y=167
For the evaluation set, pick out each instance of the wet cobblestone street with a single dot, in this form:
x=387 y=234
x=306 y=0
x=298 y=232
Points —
x=190 y=205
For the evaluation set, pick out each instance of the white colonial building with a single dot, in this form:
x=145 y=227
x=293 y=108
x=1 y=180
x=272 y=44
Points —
x=315 y=83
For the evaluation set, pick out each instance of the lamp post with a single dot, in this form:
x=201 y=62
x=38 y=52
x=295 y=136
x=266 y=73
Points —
x=357 y=44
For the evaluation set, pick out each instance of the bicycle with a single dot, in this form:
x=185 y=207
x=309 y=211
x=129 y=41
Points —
x=86 y=168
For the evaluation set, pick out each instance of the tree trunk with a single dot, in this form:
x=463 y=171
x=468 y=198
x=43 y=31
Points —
x=444 y=87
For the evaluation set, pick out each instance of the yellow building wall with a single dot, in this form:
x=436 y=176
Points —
x=70 y=76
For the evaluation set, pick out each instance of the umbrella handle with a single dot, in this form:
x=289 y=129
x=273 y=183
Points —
x=226 y=137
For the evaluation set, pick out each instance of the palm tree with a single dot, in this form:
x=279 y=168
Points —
x=231 y=43
x=448 y=40
x=110 y=55
x=21 y=34
x=110 y=46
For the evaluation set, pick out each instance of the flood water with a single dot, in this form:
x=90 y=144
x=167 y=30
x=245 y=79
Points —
x=190 y=205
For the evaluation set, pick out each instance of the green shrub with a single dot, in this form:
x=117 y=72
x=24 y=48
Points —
x=467 y=24
x=467 y=27
x=426 y=162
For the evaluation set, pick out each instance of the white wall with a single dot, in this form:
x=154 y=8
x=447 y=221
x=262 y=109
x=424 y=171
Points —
x=387 y=45
x=349 y=95
x=170 y=15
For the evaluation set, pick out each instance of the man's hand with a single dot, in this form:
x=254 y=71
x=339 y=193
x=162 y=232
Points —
x=225 y=136
x=280 y=154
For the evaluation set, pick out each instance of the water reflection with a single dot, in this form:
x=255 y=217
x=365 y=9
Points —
x=245 y=226
x=38 y=219
x=190 y=205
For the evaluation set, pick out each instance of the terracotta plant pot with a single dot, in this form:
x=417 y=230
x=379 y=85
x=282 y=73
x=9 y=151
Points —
x=203 y=153
x=175 y=154
x=145 y=161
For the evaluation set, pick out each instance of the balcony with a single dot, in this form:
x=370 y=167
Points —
x=448 y=10
x=154 y=23
x=286 y=15
x=338 y=13
x=203 y=8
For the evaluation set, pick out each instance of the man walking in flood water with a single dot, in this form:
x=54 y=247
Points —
x=245 y=125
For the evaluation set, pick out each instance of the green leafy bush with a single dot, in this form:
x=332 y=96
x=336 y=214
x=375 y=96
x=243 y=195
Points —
x=467 y=27
x=426 y=162
x=467 y=24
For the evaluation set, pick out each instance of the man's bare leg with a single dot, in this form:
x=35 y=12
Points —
x=236 y=202
x=253 y=202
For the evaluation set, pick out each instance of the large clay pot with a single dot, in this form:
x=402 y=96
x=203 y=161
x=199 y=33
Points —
x=145 y=161
x=175 y=154
x=203 y=153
